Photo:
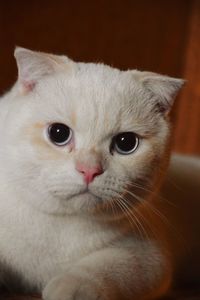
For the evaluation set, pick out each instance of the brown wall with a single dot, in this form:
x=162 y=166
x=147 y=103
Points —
x=149 y=35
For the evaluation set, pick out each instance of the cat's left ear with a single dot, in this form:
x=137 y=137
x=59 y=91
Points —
x=32 y=66
x=162 y=88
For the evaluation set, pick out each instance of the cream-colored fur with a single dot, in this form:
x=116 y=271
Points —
x=116 y=240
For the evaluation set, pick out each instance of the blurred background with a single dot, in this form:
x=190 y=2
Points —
x=154 y=35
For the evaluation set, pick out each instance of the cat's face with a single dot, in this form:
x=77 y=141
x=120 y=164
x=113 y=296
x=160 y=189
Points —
x=80 y=136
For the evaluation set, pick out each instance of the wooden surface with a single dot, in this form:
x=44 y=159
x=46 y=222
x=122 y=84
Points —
x=178 y=295
x=147 y=35
x=187 y=132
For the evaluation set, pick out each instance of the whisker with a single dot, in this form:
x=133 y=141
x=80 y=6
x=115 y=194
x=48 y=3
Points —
x=158 y=195
x=142 y=217
x=153 y=209
x=136 y=215
x=129 y=216
x=135 y=218
x=162 y=217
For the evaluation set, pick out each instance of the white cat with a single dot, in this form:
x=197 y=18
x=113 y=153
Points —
x=83 y=153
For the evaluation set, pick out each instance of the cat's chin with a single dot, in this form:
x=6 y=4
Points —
x=80 y=203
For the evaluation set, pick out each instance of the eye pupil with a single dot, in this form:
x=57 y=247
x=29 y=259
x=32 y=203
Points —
x=125 y=142
x=59 y=134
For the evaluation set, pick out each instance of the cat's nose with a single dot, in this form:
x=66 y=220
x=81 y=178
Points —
x=89 y=173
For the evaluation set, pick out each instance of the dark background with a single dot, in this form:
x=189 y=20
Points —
x=157 y=35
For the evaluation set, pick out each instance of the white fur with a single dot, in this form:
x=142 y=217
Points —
x=54 y=234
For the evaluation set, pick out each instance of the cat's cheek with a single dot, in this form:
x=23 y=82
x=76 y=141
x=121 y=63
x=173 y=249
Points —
x=71 y=146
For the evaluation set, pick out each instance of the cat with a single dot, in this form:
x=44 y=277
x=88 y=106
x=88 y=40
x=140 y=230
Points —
x=84 y=152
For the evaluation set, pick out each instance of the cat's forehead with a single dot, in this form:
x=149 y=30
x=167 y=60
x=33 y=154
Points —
x=95 y=94
x=98 y=82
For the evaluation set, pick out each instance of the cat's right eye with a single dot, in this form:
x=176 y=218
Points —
x=59 y=134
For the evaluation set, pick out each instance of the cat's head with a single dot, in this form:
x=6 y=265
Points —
x=82 y=136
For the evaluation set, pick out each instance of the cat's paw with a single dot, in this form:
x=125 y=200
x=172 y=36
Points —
x=71 y=288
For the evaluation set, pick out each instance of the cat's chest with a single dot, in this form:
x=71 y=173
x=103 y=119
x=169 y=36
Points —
x=41 y=246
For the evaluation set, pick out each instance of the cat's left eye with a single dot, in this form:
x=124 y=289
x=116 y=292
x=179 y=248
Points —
x=59 y=134
x=125 y=143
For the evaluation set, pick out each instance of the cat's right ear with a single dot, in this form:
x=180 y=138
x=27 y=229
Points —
x=32 y=66
x=162 y=89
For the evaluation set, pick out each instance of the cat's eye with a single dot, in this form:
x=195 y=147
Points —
x=125 y=143
x=59 y=134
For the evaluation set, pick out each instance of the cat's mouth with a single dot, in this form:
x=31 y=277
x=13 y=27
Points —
x=85 y=194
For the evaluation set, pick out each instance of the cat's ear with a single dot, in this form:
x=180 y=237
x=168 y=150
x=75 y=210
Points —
x=162 y=88
x=32 y=66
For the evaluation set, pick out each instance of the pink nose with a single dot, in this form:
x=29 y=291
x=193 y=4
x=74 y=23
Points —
x=89 y=173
